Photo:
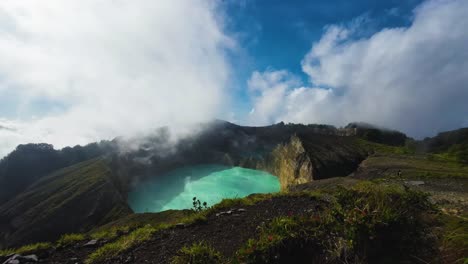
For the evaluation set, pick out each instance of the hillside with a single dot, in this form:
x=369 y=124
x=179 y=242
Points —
x=72 y=199
x=344 y=199
x=353 y=222
x=28 y=163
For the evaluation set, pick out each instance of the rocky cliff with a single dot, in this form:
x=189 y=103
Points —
x=291 y=163
x=309 y=157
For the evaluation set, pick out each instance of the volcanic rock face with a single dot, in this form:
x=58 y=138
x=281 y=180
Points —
x=313 y=157
x=291 y=164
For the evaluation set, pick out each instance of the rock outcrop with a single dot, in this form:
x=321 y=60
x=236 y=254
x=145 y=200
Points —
x=310 y=157
x=291 y=163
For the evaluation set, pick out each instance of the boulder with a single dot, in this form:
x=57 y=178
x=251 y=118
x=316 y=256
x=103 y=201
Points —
x=19 y=259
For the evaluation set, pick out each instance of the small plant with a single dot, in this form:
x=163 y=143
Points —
x=198 y=206
x=198 y=253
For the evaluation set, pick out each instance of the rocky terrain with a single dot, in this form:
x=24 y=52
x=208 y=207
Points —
x=32 y=173
x=80 y=214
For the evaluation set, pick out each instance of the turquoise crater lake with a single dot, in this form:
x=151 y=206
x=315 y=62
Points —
x=209 y=183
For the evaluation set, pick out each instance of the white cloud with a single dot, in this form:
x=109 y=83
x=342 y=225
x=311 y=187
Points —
x=278 y=96
x=413 y=79
x=118 y=67
x=268 y=90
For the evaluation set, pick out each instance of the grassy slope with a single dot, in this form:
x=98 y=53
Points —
x=442 y=175
x=169 y=216
x=70 y=200
x=436 y=170
x=366 y=222
x=363 y=221
x=417 y=166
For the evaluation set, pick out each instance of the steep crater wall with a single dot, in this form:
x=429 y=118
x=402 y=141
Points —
x=303 y=159
x=296 y=159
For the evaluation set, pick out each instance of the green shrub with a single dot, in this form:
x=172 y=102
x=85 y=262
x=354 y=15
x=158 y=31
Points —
x=198 y=206
x=368 y=222
x=70 y=239
x=288 y=240
x=198 y=253
x=110 y=233
x=454 y=244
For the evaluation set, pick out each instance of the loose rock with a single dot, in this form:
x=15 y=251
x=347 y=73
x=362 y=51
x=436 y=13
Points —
x=415 y=183
x=18 y=259
x=91 y=243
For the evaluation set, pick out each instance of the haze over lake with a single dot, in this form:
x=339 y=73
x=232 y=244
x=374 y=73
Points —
x=209 y=183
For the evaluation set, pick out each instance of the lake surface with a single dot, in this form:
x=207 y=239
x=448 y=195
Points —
x=209 y=183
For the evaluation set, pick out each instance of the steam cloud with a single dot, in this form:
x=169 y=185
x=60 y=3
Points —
x=109 y=68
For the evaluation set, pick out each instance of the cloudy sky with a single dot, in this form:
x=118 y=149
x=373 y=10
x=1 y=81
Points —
x=73 y=72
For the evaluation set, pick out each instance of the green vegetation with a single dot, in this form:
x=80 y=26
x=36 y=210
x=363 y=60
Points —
x=374 y=134
x=144 y=233
x=459 y=152
x=131 y=222
x=384 y=149
x=413 y=166
x=26 y=249
x=30 y=162
x=110 y=233
x=70 y=239
x=197 y=205
x=248 y=201
x=372 y=222
x=454 y=238
x=50 y=203
x=123 y=243
x=368 y=222
x=198 y=253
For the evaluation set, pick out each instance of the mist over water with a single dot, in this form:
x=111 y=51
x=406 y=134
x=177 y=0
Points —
x=209 y=183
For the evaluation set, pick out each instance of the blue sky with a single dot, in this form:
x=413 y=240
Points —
x=74 y=72
x=277 y=34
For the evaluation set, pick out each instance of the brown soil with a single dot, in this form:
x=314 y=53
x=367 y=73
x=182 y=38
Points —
x=225 y=233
